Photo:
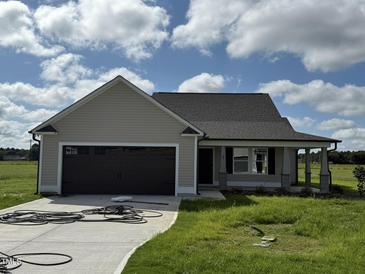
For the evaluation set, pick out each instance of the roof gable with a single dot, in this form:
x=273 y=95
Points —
x=100 y=91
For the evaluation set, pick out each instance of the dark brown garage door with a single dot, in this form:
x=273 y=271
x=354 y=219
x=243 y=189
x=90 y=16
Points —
x=118 y=170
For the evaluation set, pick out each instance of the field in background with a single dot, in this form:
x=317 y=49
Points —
x=341 y=176
x=17 y=182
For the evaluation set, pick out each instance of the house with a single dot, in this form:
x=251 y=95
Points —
x=118 y=139
x=13 y=157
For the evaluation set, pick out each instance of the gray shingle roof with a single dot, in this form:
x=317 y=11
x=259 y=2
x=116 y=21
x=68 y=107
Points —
x=248 y=116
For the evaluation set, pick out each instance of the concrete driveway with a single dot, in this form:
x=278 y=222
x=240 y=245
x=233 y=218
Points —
x=100 y=247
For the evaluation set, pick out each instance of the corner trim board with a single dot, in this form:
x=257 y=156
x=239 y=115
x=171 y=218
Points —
x=40 y=162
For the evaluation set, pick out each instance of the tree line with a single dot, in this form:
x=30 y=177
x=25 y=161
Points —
x=338 y=157
x=19 y=153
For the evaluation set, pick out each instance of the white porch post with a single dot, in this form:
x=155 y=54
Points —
x=285 y=174
x=307 y=168
x=324 y=174
x=222 y=169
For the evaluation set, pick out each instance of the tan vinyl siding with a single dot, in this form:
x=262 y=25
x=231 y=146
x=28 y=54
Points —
x=49 y=160
x=119 y=115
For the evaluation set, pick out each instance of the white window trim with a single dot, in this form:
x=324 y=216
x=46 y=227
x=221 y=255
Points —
x=250 y=161
x=62 y=144
x=267 y=161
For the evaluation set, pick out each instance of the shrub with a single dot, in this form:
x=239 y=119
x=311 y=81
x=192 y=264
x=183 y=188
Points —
x=359 y=174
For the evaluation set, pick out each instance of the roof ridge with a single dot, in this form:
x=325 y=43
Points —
x=211 y=93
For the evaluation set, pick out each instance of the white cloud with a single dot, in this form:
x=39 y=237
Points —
x=24 y=93
x=17 y=30
x=336 y=124
x=14 y=134
x=348 y=100
x=354 y=138
x=326 y=35
x=304 y=122
x=23 y=105
x=84 y=86
x=10 y=129
x=11 y=111
x=132 y=26
x=67 y=79
x=203 y=82
x=209 y=22
x=65 y=68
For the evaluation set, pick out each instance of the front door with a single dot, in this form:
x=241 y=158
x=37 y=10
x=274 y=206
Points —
x=205 y=171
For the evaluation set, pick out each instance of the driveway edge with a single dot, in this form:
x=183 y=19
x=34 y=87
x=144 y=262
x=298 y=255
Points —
x=123 y=263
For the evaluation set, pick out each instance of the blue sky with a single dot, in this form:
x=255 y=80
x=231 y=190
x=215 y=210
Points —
x=310 y=57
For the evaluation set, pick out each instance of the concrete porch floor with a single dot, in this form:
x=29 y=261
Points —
x=213 y=194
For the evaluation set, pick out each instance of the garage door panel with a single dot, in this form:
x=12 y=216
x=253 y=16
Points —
x=118 y=170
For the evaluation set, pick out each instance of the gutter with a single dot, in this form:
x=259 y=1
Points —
x=39 y=155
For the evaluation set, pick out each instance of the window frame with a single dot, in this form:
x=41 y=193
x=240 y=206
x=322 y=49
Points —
x=262 y=161
x=248 y=161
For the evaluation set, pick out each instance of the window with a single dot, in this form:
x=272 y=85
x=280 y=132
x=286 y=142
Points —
x=81 y=150
x=259 y=160
x=71 y=150
x=240 y=160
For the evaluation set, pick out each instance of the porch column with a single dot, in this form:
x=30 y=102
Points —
x=324 y=174
x=222 y=178
x=285 y=174
x=307 y=168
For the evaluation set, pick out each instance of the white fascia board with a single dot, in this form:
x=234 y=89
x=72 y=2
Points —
x=45 y=133
x=253 y=143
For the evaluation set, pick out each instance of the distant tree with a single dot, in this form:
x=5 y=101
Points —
x=358 y=157
x=33 y=153
x=338 y=157
x=359 y=174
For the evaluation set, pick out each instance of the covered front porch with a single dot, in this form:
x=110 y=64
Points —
x=227 y=164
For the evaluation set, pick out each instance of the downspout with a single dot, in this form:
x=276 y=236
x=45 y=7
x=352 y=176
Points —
x=328 y=165
x=39 y=155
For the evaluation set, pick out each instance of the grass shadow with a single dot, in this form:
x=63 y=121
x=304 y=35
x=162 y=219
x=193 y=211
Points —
x=205 y=204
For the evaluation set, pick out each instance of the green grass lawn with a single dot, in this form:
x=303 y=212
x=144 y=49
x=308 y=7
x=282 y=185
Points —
x=313 y=235
x=17 y=182
x=341 y=176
